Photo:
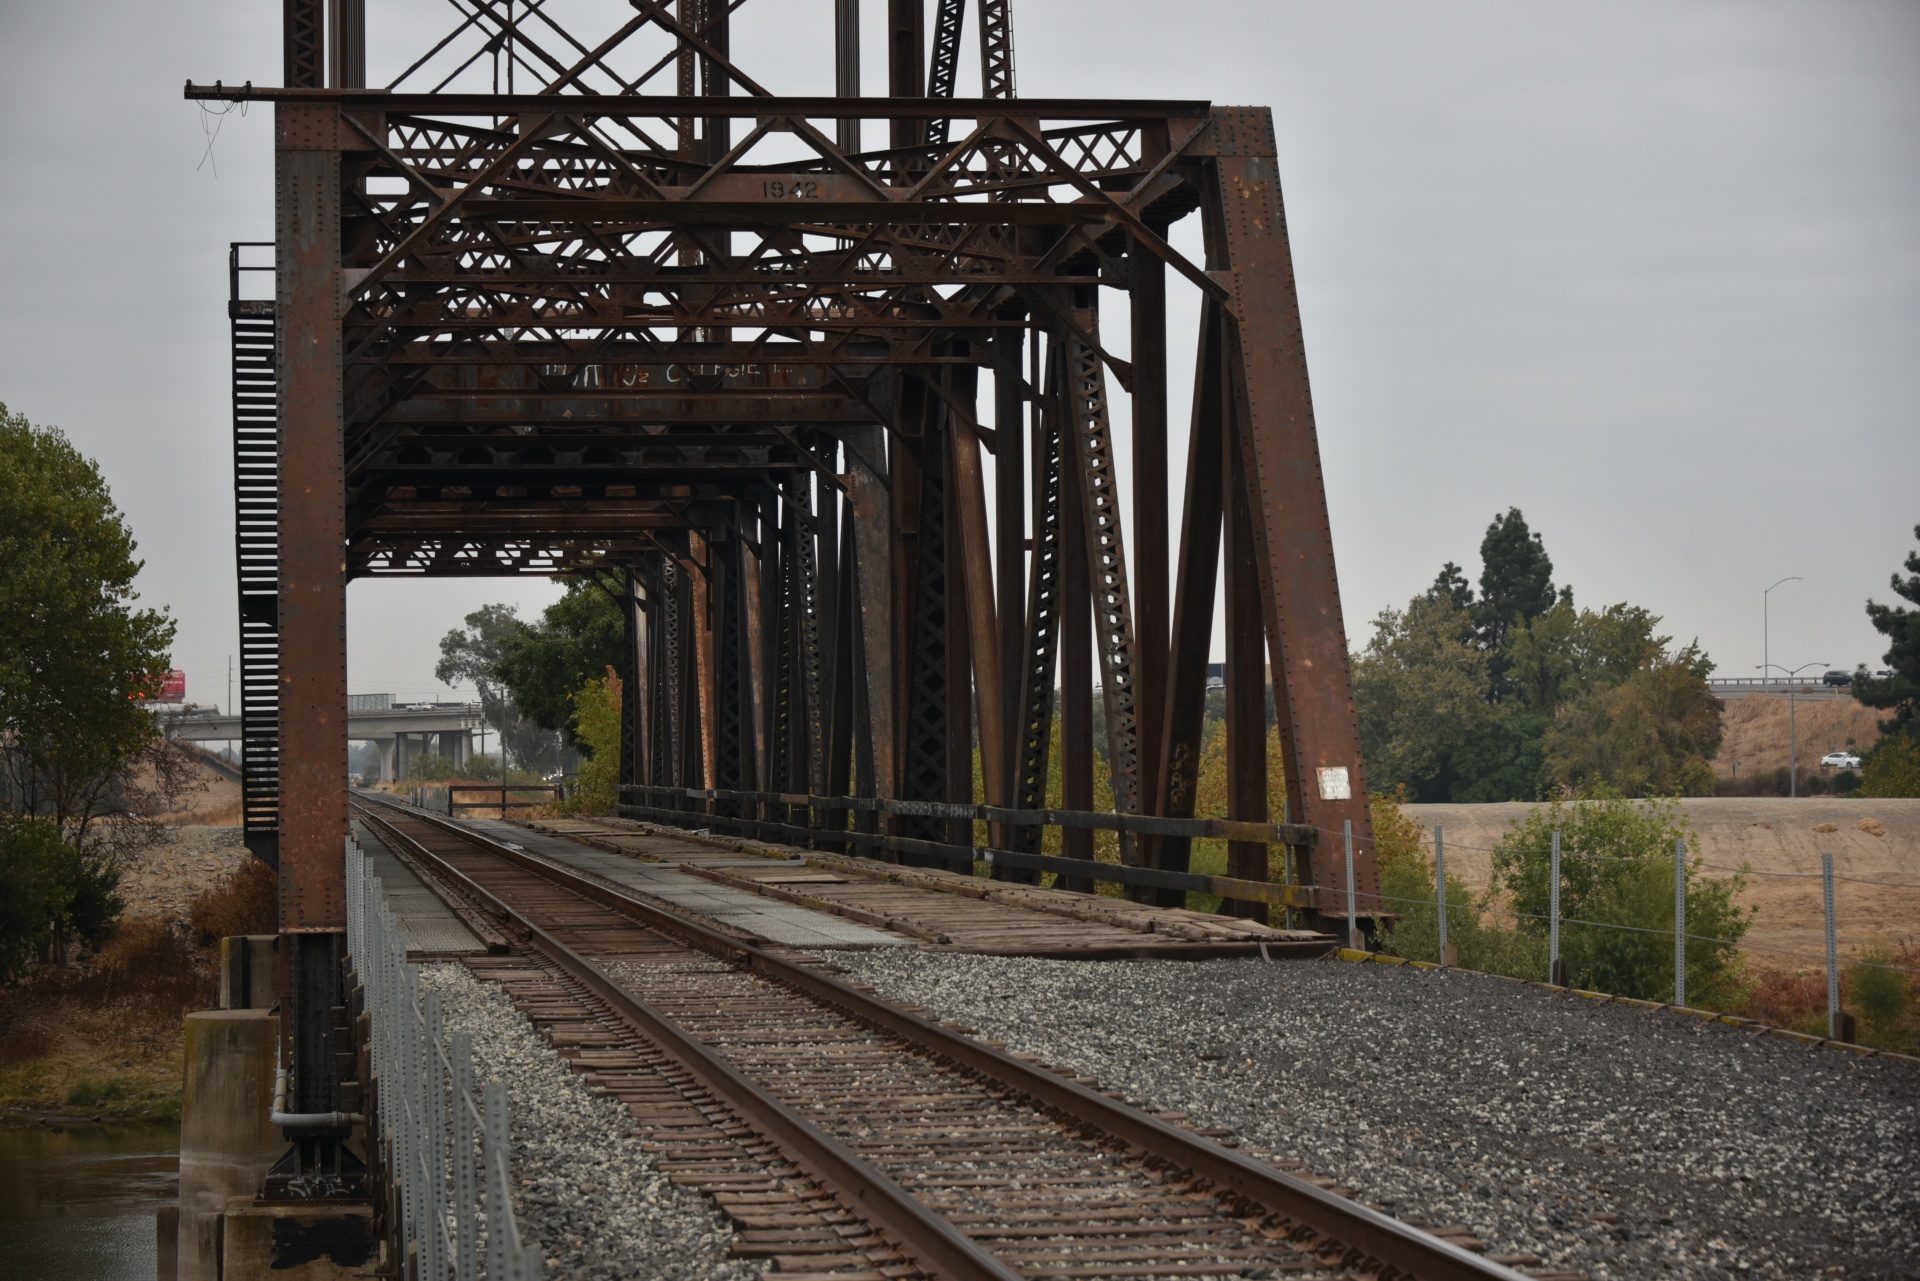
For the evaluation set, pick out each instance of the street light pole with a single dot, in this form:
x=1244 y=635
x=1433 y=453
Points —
x=1793 y=727
x=1766 y=657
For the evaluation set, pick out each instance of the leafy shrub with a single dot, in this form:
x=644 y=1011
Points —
x=1791 y=999
x=89 y=1093
x=246 y=901
x=596 y=727
x=1777 y=782
x=1881 y=996
x=150 y=960
x=481 y=769
x=430 y=767
x=1892 y=768
x=1616 y=870
x=1408 y=884
x=28 y=850
x=51 y=893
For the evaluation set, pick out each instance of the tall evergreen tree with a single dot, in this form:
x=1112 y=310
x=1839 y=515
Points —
x=1516 y=578
x=1516 y=587
x=1451 y=585
x=1898 y=693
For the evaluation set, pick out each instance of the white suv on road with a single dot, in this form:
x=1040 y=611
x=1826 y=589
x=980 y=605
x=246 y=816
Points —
x=1840 y=760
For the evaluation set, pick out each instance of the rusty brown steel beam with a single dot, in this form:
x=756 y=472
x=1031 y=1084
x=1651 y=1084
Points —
x=1183 y=712
x=1149 y=371
x=911 y=107
x=313 y=583
x=589 y=331
x=1246 y=692
x=1279 y=460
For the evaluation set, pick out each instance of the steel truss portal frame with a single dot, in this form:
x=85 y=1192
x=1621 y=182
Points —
x=705 y=347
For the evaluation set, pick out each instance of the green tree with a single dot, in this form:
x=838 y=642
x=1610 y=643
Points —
x=1892 y=768
x=1420 y=689
x=596 y=721
x=474 y=655
x=1652 y=735
x=1564 y=652
x=1898 y=692
x=1516 y=586
x=1504 y=763
x=577 y=638
x=1540 y=666
x=76 y=655
x=1451 y=584
x=51 y=894
x=29 y=850
x=1616 y=870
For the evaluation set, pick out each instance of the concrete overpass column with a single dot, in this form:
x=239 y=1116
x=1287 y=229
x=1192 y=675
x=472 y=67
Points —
x=401 y=751
x=386 y=746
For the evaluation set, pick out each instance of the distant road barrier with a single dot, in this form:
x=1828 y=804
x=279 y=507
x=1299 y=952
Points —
x=1740 y=686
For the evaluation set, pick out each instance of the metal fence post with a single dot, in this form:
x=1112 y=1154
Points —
x=1553 y=913
x=1353 y=923
x=1679 y=921
x=1440 y=884
x=434 y=1151
x=466 y=1227
x=493 y=1146
x=1833 y=952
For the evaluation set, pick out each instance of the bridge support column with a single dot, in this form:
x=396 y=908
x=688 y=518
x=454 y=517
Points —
x=313 y=630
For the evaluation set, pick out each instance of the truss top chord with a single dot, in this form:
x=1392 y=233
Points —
x=734 y=107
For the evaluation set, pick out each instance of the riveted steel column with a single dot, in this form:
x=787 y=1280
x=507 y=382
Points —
x=313 y=618
x=313 y=577
x=1273 y=403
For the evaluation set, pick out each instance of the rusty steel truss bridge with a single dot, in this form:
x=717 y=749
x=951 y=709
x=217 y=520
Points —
x=578 y=293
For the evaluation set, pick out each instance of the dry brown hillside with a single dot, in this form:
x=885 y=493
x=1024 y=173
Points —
x=1755 y=731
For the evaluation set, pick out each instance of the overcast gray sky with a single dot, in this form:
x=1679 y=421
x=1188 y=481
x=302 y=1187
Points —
x=1648 y=271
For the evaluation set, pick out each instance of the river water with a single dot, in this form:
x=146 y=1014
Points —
x=78 y=1205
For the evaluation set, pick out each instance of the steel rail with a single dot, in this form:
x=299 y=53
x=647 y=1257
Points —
x=934 y=1242
x=1406 y=1250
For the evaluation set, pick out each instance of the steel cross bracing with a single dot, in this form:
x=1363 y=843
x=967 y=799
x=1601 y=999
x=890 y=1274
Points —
x=576 y=299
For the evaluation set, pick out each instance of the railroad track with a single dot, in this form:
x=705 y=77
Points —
x=852 y=1138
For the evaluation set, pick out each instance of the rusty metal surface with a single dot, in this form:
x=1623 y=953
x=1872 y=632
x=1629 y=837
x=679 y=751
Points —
x=313 y=579
x=1292 y=542
x=707 y=343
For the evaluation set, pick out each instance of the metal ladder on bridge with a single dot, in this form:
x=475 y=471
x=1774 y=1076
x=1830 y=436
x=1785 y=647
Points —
x=256 y=510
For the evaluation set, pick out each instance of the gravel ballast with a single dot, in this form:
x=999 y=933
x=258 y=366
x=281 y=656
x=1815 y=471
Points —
x=1622 y=1142
x=589 y=1195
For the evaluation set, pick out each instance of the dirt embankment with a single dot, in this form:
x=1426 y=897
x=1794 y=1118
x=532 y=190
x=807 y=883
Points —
x=212 y=796
x=1758 y=732
x=1875 y=846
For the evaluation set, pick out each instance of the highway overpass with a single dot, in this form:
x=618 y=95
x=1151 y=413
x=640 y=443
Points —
x=403 y=733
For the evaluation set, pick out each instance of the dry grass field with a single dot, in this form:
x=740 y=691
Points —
x=1780 y=841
